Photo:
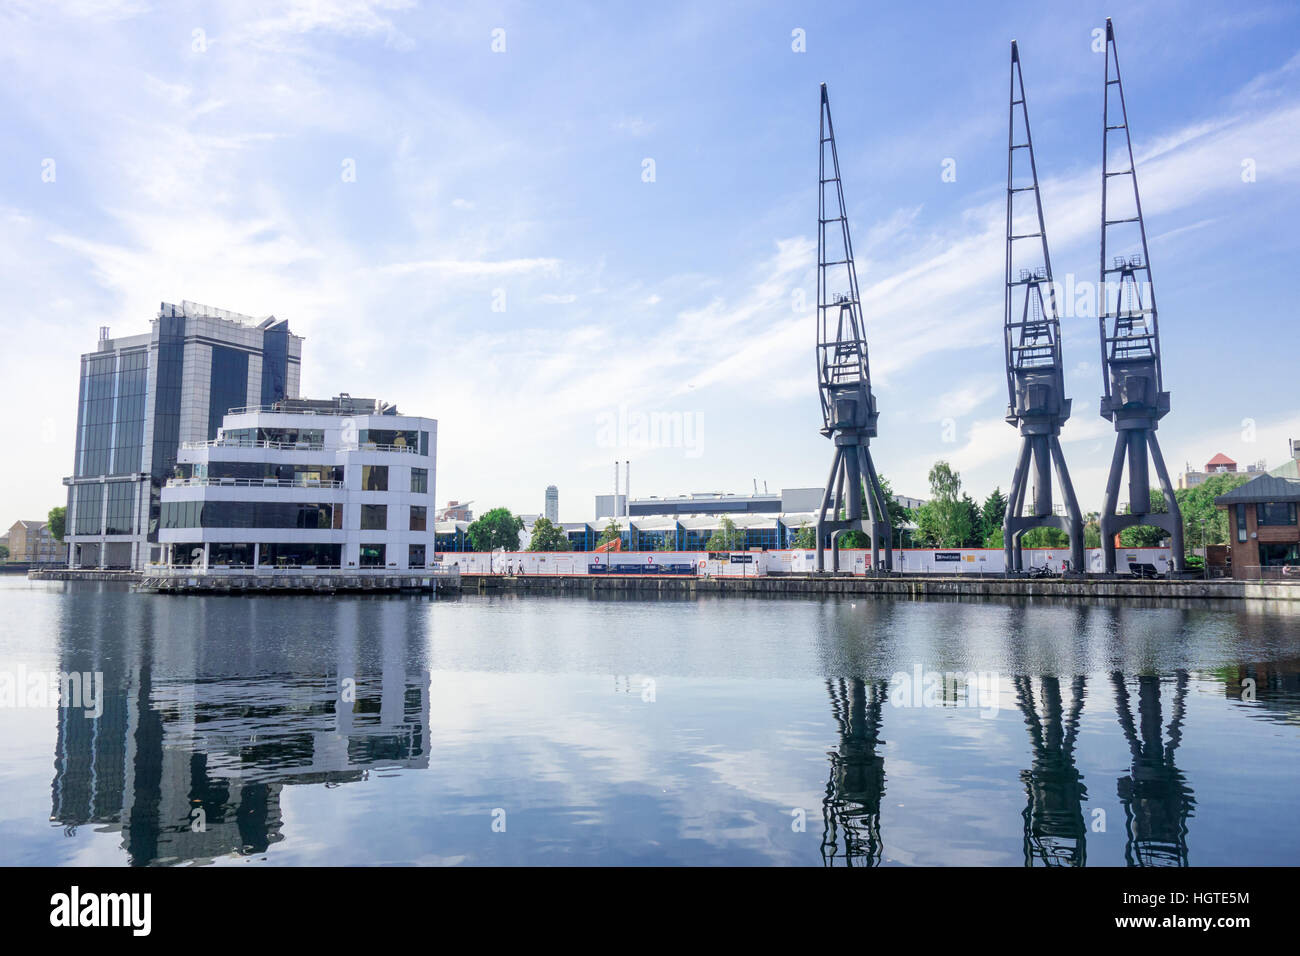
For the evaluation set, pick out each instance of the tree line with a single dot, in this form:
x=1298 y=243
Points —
x=950 y=519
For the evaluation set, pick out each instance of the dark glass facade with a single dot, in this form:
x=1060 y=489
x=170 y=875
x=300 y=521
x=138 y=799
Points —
x=228 y=387
x=283 y=436
x=275 y=362
x=88 y=508
x=254 y=470
x=120 y=513
x=167 y=396
x=291 y=555
x=251 y=514
x=110 y=413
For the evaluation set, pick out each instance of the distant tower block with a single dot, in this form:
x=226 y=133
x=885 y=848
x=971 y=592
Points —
x=552 y=504
x=1032 y=331
x=848 y=406
x=1135 y=399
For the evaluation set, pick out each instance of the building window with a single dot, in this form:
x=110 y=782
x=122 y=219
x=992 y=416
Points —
x=1241 y=524
x=230 y=555
x=299 y=555
x=419 y=518
x=228 y=385
x=89 y=508
x=419 y=481
x=121 y=508
x=374 y=517
x=251 y=514
x=374 y=477
x=1273 y=555
x=415 y=556
x=372 y=555
x=1275 y=513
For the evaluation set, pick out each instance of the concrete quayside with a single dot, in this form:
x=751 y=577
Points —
x=900 y=585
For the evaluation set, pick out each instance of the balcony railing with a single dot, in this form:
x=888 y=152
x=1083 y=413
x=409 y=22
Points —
x=252 y=483
x=245 y=443
x=297 y=446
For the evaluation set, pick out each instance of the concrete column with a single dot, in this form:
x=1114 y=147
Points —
x=207 y=552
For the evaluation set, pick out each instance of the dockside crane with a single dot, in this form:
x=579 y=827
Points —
x=843 y=374
x=1135 y=398
x=1032 y=331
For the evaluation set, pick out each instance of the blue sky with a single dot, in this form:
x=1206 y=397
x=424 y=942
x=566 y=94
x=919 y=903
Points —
x=501 y=264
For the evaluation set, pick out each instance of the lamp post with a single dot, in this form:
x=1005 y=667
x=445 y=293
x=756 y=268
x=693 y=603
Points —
x=1205 y=554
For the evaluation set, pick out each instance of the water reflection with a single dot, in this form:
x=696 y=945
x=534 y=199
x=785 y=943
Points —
x=191 y=765
x=1157 y=800
x=214 y=708
x=1055 y=830
x=851 y=810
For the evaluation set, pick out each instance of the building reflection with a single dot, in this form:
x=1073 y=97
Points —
x=1271 y=688
x=1156 y=798
x=191 y=755
x=1055 y=829
x=851 y=809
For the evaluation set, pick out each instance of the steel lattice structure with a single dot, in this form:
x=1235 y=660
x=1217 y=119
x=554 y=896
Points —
x=1135 y=399
x=1036 y=401
x=844 y=378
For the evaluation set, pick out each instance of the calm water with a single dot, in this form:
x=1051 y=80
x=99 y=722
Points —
x=599 y=731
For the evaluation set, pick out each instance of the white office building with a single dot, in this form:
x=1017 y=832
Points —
x=342 y=483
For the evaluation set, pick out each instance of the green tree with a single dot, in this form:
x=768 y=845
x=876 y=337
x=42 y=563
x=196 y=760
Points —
x=1146 y=536
x=4 y=553
x=58 y=521
x=613 y=532
x=1092 y=530
x=1197 y=505
x=1044 y=537
x=668 y=542
x=497 y=528
x=805 y=537
x=992 y=513
x=948 y=519
x=726 y=538
x=548 y=537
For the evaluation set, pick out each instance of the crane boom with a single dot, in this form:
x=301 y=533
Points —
x=1134 y=397
x=849 y=413
x=1036 y=402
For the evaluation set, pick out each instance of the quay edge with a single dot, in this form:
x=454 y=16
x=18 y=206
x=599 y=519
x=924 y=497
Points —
x=902 y=585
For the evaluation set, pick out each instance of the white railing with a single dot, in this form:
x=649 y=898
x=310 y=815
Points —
x=246 y=443
x=252 y=483
x=186 y=570
x=371 y=446
x=296 y=446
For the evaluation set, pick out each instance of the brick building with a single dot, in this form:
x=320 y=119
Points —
x=1265 y=531
x=30 y=542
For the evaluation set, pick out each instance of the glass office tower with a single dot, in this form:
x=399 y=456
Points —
x=141 y=396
